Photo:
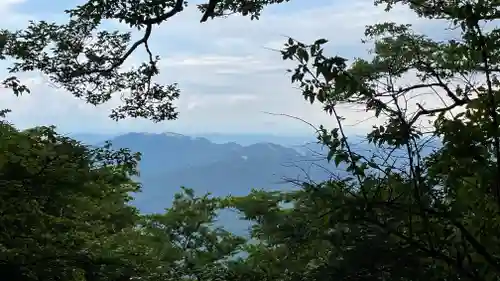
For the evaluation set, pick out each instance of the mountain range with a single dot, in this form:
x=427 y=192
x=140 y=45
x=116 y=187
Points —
x=170 y=161
x=217 y=165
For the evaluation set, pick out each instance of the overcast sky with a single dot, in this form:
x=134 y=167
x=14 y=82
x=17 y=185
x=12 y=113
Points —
x=227 y=75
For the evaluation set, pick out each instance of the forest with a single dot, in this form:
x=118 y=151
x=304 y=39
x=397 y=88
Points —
x=65 y=212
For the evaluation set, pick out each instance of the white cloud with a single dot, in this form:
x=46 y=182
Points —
x=9 y=19
x=227 y=74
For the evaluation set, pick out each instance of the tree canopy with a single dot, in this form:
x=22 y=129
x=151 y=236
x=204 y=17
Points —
x=404 y=213
x=84 y=59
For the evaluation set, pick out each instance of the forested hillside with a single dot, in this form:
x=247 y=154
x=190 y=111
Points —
x=404 y=209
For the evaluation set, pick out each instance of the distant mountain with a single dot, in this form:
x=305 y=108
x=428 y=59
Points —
x=171 y=160
x=89 y=138
x=248 y=139
x=220 y=138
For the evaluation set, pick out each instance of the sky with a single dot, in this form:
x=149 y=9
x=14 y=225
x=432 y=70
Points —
x=228 y=76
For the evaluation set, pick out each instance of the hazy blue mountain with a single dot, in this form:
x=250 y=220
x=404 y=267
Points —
x=248 y=139
x=220 y=138
x=90 y=138
x=171 y=160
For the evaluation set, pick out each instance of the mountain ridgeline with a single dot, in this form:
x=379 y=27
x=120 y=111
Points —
x=171 y=160
x=208 y=164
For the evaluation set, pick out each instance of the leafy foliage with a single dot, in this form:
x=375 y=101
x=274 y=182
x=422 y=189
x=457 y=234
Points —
x=85 y=60
x=59 y=200
x=412 y=217
x=432 y=217
x=65 y=216
x=186 y=241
